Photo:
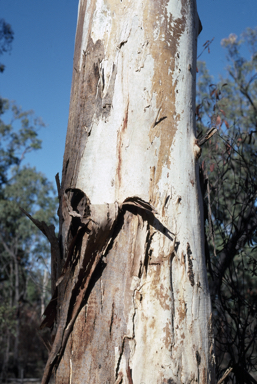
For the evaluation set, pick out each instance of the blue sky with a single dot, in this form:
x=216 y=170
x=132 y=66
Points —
x=39 y=68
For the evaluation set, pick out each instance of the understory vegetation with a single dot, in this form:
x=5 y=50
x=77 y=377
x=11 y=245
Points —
x=228 y=169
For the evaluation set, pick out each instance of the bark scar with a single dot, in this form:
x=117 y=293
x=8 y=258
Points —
x=190 y=266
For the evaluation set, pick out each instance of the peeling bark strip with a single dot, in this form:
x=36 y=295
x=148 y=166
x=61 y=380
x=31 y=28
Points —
x=127 y=309
x=90 y=234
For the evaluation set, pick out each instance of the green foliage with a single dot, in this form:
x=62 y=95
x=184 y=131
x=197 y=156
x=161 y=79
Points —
x=6 y=38
x=230 y=185
x=24 y=252
x=16 y=143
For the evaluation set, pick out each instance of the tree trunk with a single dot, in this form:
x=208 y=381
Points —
x=43 y=293
x=17 y=306
x=133 y=295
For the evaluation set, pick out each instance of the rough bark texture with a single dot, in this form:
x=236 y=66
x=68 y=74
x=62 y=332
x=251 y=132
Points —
x=133 y=298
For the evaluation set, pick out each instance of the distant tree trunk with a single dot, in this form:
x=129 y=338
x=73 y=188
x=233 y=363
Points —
x=16 y=305
x=133 y=297
x=7 y=335
x=43 y=293
x=6 y=348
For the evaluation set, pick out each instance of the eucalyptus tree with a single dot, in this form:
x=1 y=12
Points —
x=132 y=301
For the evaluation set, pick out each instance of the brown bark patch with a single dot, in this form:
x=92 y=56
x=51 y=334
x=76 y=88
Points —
x=182 y=310
x=163 y=297
x=87 y=101
x=129 y=375
x=203 y=378
x=165 y=64
x=168 y=336
x=120 y=145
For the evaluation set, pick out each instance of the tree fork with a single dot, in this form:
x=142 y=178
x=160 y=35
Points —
x=133 y=303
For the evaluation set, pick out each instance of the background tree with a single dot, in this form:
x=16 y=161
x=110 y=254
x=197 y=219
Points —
x=229 y=169
x=24 y=252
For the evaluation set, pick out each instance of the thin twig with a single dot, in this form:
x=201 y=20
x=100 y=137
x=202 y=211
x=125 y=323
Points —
x=225 y=375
